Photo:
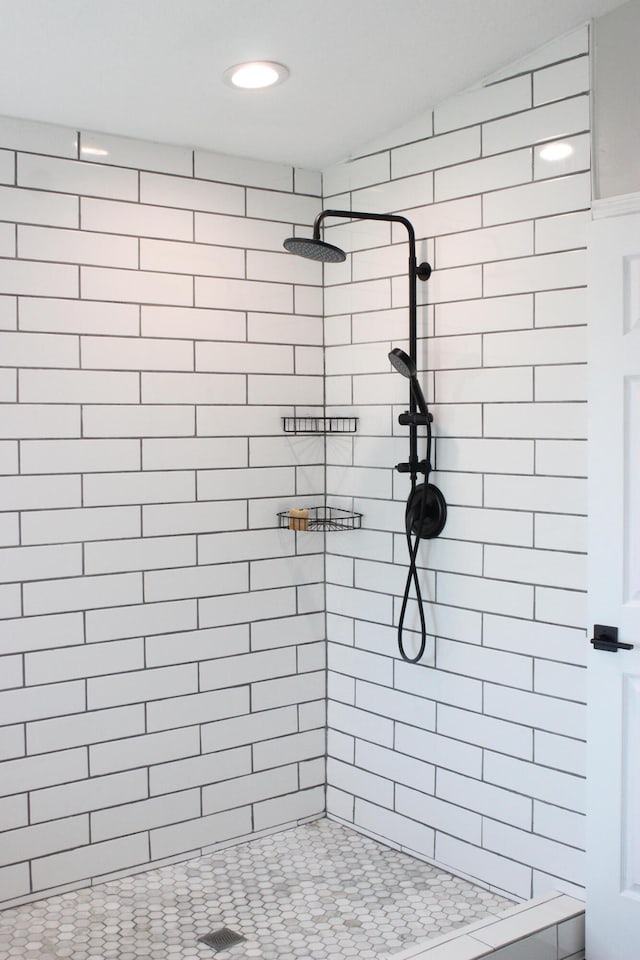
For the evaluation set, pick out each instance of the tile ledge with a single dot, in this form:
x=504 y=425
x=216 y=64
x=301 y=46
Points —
x=469 y=939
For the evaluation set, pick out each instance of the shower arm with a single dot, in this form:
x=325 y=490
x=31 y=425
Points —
x=421 y=272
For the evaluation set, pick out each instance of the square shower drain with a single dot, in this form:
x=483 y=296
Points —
x=221 y=939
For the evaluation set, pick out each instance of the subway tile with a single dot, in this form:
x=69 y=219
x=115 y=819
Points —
x=242 y=170
x=482 y=246
x=281 y=267
x=271 y=328
x=73 y=176
x=26 y=277
x=503 y=736
x=95 y=726
x=307 y=181
x=242 y=545
x=9 y=529
x=180 y=518
x=36 y=633
x=342 y=177
x=557 y=824
x=249 y=789
x=568 y=45
x=483 y=102
x=535 y=639
x=25 y=493
x=476 y=661
x=289 y=749
x=249 y=729
x=561 y=680
x=76 y=316
x=439 y=814
x=7 y=240
x=548 y=122
x=140 y=620
x=540 y=199
x=483 y=385
x=360 y=783
x=14 y=812
x=396 y=828
x=200 y=581
x=246 y=357
x=135 y=219
x=196 y=645
x=197 y=708
x=472 y=861
x=141 y=154
x=442 y=751
x=243 y=232
x=283 y=451
x=434 y=152
x=302 y=628
x=535 y=851
x=30 y=206
x=282 y=691
x=173 y=256
x=485 y=799
x=36 y=137
x=10 y=600
x=38 y=350
x=126 y=353
x=8 y=390
x=540 y=346
x=62 y=526
x=480 y=316
x=240 y=421
x=551 y=270
x=482 y=593
x=439 y=686
x=7 y=166
x=274 y=389
x=561 y=80
x=565 y=232
x=203 y=831
x=490 y=526
x=559 y=308
x=402 y=192
x=139 y=554
x=199 y=770
x=138 y=487
x=485 y=455
x=140 y=686
x=256 y=605
x=454 y=283
x=144 y=815
x=89 y=861
x=78 y=456
x=280 y=572
x=35 y=773
x=76 y=246
x=396 y=766
x=82 y=593
x=87 y=661
x=245 y=483
x=480 y=176
x=128 y=420
x=287 y=207
x=577 y=157
x=536 y=710
x=192 y=323
x=561 y=753
x=548 y=420
x=42 y=839
x=136 y=286
x=294 y=806
x=546 y=494
x=229 y=294
x=192 y=388
x=77 y=386
x=361 y=604
x=38 y=563
x=561 y=533
x=8 y=313
x=11 y=674
x=549 y=567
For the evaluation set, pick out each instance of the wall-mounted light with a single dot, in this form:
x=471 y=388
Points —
x=556 y=151
x=257 y=74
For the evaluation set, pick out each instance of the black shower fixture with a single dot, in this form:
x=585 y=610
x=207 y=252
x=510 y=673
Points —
x=426 y=510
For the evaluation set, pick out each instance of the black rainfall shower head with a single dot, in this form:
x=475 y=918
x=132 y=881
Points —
x=314 y=249
x=403 y=363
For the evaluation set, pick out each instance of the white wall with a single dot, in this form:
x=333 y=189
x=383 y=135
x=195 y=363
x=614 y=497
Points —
x=477 y=764
x=161 y=643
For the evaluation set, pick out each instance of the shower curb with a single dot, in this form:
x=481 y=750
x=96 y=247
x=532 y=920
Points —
x=556 y=917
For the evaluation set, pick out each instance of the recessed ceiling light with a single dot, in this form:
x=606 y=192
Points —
x=259 y=73
x=556 y=151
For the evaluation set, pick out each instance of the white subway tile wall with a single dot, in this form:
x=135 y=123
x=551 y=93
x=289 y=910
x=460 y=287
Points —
x=152 y=616
x=474 y=757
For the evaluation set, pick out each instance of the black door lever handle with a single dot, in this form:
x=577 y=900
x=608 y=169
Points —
x=606 y=638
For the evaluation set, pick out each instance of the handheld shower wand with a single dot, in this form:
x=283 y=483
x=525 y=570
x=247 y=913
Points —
x=426 y=510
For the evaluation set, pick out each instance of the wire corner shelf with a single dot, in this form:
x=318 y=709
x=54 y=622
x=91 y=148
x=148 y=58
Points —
x=320 y=424
x=319 y=519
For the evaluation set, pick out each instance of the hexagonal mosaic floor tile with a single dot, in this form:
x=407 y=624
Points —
x=317 y=892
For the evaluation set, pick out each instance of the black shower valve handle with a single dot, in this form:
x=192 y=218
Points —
x=408 y=419
x=414 y=467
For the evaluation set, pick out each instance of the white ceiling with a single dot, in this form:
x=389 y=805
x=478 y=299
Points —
x=152 y=69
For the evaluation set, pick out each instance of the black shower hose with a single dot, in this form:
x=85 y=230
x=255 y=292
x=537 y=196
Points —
x=412 y=547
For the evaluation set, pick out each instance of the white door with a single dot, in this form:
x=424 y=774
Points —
x=613 y=738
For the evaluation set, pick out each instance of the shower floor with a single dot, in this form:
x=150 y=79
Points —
x=316 y=892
